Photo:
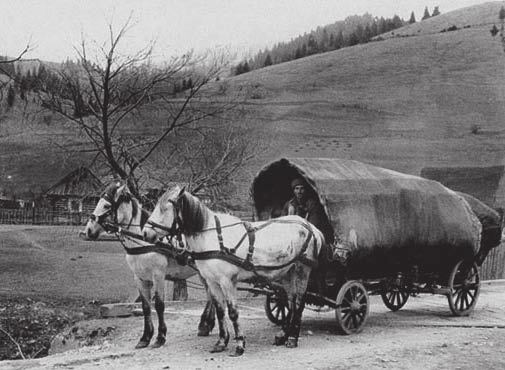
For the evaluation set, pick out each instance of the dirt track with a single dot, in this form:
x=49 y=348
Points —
x=423 y=335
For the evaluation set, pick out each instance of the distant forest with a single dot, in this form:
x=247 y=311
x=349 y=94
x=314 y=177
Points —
x=349 y=32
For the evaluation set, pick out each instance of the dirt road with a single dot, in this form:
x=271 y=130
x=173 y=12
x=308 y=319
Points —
x=423 y=335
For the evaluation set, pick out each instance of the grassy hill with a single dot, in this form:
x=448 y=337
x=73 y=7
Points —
x=432 y=99
x=419 y=98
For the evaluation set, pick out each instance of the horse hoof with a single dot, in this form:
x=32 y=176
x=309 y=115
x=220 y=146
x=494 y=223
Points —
x=141 y=344
x=204 y=331
x=159 y=343
x=292 y=342
x=279 y=340
x=239 y=351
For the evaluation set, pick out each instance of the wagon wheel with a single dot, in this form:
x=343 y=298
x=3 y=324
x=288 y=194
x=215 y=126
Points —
x=352 y=307
x=276 y=308
x=395 y=296
x=464 y=287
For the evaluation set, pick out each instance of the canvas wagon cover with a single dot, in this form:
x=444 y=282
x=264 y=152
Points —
x=382 y=217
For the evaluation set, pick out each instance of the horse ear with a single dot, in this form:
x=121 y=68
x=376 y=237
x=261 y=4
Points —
x=181 y=193
x=121 y=191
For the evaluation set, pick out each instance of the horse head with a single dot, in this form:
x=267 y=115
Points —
x=116 y=207
x=164 y=220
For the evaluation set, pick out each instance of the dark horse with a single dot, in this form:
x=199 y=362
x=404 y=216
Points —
x=119 y=210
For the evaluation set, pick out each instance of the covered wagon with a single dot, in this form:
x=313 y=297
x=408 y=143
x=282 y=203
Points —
x=397 y=234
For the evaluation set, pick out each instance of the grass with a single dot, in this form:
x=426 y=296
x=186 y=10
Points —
x=51 y=279
x=53 y=261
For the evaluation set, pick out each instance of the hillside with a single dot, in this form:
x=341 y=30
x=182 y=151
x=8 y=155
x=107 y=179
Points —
x=433 y=99
x=404 y=103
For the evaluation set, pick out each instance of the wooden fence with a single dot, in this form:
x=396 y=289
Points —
x=493 y=267
x=41 y=216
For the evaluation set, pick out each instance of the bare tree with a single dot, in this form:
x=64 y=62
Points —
x=126 y=107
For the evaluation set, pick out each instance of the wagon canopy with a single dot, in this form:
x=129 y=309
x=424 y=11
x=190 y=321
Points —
x=391 y=217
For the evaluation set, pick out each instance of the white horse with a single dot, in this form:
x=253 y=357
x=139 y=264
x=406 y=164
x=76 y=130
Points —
x=119 y=210
x=279 y=253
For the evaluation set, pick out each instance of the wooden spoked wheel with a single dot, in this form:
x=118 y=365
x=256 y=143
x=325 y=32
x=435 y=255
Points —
x=352 y=307
x=276 y=308
x=395 y=297
x=464 y=287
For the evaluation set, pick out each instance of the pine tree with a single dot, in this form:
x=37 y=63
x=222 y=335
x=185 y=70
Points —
x=426 y=14
x=339 y=40
x=412 y=18
x=268 y=61
x=436 y=12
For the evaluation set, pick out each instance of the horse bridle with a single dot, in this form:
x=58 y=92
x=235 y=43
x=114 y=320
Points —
x=101 y=219
x=175 y=229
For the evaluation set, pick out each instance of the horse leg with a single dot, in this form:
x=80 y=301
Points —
x=145 y=296
x=229 y=291
x=159 y=305
x=207 y=320
x=282 y=336
x=299 y=280
x=294 y=330
x=224 y=335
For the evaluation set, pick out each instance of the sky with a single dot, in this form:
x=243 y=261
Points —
x=54 y=28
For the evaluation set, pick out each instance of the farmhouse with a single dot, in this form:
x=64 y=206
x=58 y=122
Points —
x=74 y=195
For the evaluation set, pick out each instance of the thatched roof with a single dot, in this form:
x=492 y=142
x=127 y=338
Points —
x=79 y=183
x=374 y=210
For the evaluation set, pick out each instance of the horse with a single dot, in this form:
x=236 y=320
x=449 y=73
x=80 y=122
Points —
x=118 y=210
x=281 y=254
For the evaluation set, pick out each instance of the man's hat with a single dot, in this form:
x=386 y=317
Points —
x=296 y=182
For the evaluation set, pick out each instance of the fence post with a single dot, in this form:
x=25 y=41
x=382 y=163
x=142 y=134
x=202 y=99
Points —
x=180 y=290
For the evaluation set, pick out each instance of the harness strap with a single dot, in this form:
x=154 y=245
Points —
x=220 y=235
x=224 y=253
x=249 y=233
x=240 y=262
x=252 y=238
x=165 y=249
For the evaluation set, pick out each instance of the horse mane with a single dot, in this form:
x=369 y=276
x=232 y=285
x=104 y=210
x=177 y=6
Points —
x=194 y=213
x=128 y=197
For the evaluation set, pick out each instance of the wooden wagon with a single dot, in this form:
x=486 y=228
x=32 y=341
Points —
x=394 y=235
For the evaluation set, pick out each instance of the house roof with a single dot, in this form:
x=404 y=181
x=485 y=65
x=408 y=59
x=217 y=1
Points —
x=81 y=182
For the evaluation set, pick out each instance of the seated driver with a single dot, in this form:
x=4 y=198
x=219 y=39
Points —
x=304 y=205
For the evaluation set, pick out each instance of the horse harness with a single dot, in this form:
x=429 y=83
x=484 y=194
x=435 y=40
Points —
x=179 y=253
x=229 y=254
